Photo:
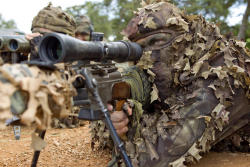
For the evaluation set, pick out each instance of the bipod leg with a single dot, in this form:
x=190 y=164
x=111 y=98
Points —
x=17 y=131
x=37 y=153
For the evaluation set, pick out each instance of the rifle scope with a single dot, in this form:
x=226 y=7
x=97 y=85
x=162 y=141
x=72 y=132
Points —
x=56 y=47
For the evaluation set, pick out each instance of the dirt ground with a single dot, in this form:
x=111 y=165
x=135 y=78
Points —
x=72 y=147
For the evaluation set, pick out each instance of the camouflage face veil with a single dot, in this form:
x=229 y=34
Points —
x=156 y=22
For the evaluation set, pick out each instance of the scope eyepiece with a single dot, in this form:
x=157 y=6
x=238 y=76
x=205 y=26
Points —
x=51 y=49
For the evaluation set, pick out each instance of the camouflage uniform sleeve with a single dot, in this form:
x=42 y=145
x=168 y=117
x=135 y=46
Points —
x=139 y=83
x=140 y=96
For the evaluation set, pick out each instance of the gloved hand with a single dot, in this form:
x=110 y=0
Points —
x=120 y=119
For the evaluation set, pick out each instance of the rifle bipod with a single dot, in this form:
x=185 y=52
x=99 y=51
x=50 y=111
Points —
x=92 y=87
x=37 y=153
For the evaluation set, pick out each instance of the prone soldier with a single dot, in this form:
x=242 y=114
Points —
x=190 y=88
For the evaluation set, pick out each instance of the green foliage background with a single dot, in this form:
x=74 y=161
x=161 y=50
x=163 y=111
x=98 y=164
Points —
x=248 y=43
x=7 y=24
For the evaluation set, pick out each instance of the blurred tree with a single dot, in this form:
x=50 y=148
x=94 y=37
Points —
x=245 y=23
x=7 y=24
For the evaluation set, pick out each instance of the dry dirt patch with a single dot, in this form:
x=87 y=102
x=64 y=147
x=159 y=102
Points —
x=72 y=147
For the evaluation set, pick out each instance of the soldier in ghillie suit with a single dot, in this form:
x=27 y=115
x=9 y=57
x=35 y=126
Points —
x=199 y=82
x=84 y=28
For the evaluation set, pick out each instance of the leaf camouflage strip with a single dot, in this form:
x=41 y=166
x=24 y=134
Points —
x=35 y=95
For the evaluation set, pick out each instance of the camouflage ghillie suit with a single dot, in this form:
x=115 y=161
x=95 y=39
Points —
x=35 y=95
x=199 y=87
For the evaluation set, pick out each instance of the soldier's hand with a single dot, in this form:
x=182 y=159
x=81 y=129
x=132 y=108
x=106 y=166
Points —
x=32 y=35
x=120 y=119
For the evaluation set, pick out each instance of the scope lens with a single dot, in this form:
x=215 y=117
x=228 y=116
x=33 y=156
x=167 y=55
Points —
x=54 y=49
x=13 y=45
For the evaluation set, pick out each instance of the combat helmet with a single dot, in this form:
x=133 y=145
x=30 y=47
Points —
x=83 y=25
x=54 y=19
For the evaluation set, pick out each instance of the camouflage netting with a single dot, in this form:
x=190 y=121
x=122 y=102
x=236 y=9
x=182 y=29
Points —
x=34 y=95
x=54 y=19
x=200 y=87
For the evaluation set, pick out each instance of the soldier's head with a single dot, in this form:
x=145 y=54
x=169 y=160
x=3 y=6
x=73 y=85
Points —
x=155 y=22
x=84 y=28
x=53 y=19
x=171 y=40
x=165 y=29
x=49 y=19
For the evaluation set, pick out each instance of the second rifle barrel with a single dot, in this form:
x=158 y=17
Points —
x=14 y=43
